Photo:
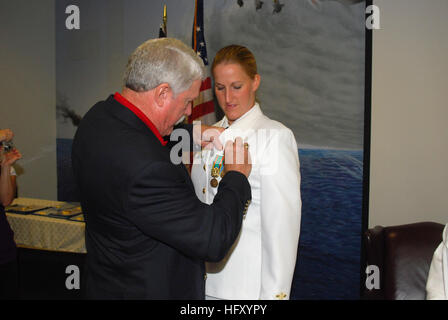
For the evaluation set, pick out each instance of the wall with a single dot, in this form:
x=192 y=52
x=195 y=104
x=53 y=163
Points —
x=409 y=150
x=409 y=141
x=27 y=87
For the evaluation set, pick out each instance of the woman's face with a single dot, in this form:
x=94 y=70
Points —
x=234 y=89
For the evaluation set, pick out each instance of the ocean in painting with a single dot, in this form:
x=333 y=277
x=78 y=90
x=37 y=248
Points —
x=328 y=264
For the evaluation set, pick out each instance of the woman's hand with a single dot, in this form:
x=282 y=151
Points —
x=11 y=157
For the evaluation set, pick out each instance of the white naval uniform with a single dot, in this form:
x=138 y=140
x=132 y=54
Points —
x=261 y=263
x=437 y=283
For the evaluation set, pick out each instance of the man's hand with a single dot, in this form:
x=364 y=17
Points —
x=6 y=135
x=237 y=157
x=208 y=136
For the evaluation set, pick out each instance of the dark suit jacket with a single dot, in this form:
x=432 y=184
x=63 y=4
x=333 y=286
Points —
x=147 y=234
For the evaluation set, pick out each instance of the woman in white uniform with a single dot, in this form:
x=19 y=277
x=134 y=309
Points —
x=261 y=263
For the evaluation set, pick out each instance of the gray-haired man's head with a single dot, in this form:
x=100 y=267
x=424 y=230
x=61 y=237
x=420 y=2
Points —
x=163 y=60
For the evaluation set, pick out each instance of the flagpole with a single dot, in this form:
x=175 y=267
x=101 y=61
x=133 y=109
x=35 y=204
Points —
x=187 y=119
x=163 y=33
x=165 y=19
x=203 y=105
x=195 y=25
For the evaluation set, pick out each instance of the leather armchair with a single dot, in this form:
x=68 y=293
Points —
x=403 y=255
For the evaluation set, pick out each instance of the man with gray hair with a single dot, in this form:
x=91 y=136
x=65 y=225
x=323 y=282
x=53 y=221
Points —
x=147 y=234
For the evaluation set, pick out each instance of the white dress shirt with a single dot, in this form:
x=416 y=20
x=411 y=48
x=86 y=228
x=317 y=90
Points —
x=261 y=263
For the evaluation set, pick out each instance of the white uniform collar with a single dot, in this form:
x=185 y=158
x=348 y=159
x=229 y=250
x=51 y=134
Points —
x=244 y=121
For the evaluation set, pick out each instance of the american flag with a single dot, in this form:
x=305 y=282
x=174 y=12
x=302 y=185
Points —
x=203 y=106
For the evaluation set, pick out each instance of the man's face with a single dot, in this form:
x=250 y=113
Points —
x=179 y=106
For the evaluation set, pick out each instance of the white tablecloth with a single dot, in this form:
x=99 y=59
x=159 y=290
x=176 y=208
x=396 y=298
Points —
x=46 y=233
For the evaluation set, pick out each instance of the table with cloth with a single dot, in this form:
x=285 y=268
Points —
x=44 y=232
x=46 y=247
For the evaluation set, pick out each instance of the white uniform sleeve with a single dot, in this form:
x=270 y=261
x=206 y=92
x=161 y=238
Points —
x=437 y=283
x=280 y=215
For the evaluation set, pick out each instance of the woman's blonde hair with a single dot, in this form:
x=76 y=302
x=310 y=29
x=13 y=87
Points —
x=237 y=54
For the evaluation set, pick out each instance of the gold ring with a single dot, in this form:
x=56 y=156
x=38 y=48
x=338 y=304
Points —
x=246 y=145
